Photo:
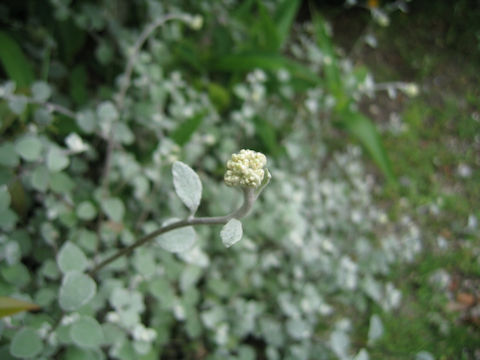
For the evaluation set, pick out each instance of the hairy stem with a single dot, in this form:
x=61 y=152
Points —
x=49 y=106
x=249 y=198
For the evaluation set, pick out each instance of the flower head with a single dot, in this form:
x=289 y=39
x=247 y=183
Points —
x=246 y=169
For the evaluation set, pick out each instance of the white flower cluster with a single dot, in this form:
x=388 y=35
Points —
x=245 y=169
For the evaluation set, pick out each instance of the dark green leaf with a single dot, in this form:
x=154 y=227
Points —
x=16 y=65
x=185 y=130
x=265 y=61
x=284 y=17
x=366 y=133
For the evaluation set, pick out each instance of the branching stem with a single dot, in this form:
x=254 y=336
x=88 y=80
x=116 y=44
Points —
x=249 y=197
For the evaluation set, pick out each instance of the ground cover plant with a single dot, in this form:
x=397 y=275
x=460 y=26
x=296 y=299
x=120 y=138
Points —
x=117 y=118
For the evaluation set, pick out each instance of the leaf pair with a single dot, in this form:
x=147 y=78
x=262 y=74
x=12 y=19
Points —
x=189 y=189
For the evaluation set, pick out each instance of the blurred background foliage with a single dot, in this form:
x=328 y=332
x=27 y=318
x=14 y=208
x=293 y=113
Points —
x=347 y=256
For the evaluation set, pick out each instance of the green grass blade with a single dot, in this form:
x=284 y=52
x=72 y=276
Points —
x=363 y=129
x=10 y=306
x=266 y=61
x=284 y=17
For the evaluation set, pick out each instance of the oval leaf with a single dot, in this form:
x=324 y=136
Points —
x=71 y=258
x=86 y=332
x=187 y=185
x=26 y=344
x=114 y=209
x=179 y=240
x=231 y=233
x=77 y=289
x=56 y=159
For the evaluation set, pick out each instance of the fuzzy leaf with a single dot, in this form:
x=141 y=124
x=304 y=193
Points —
x=76 y=290
x=26 y=344
x=231 y=233
x=179 y=240
x=86 y=332
x=187 y=185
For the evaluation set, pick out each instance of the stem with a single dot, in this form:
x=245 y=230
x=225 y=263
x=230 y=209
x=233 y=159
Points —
x=136 y=49
x=49 y=106
x=125 y=84
x=249 y=198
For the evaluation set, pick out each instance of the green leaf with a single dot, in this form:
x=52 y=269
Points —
x=231 y=232
x=29 y=147
x=265 y=61
x=86 y=211
x=331 y=69
x=10 y=306
x=264 y=30
x=18 y=104
x=86 y=332
x=78 y=84
x=268 y=135
x=16 y=65
x=77 y=289
x=86 y=121
x=106 y=111
x=41 y=91
x=40 y=178
x=71 y=258
x=61 y=182
x=17 y=274
x=365 y=131
x=8 y=156
x=114 y=209
x=8 y=219
x=57 y=160
x=26 y=344
x=179 y=240
x=187 y=185
x=186 y=129
x=284 y=16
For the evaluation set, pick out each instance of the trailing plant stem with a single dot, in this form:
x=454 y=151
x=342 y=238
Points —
x=249 y=198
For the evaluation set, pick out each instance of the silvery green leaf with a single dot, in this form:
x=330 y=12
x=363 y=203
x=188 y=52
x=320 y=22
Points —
x=70 y=258
x=26 y=344
x=56 y=159
x=179 y=240
x=362 y=355
x=75 y=143
x=8 y=156
x=29 y=147
x=231 y=232
x=18 y=104
x=339 y=342
x=77 y=289
x=298 y=329
x=86 y=121
x=375 y=330
x=86 y=210
x=86 y=332
x=42 y=116
x=40 y=178
x=424 y=355
x=41 y=91
x=106 y=111
x=114 y=209
x=187 y=185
